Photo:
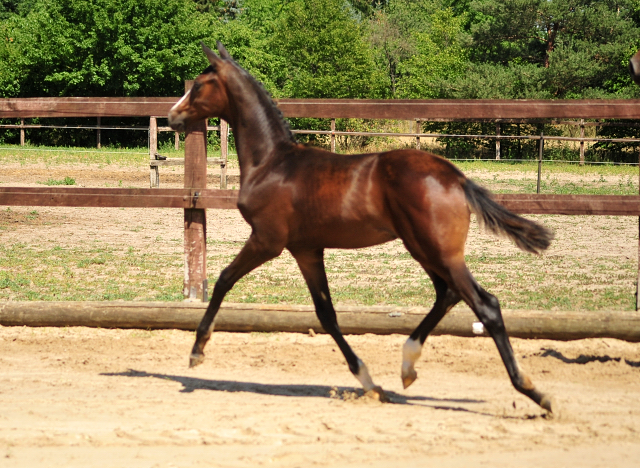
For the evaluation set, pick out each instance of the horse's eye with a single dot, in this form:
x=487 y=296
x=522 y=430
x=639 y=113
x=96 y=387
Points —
x=196 y=86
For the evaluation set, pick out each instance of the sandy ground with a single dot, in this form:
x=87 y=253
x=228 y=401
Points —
x=102 y=398
x=109 y=398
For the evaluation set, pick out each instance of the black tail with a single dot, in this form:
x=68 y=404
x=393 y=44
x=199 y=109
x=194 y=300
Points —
x=529 y=236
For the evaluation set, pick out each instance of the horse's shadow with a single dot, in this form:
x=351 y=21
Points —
x=190 y=384
x=584 y=359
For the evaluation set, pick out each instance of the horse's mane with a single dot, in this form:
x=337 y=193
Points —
x=265 y=98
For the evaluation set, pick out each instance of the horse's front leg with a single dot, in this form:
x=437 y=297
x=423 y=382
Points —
x=253 y=254
x=311 y=265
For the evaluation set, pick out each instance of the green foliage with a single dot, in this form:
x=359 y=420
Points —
x=440 y=55
x=324 y=53
x=66 y=181
x=578 y=48
x=105 y=48
x=417 y=49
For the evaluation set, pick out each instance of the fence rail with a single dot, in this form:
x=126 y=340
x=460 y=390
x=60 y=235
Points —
x=195 y=197
x=339 y=108
x=614 y=205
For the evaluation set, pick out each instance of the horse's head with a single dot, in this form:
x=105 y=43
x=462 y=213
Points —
x=208 y=96
x=634 y=67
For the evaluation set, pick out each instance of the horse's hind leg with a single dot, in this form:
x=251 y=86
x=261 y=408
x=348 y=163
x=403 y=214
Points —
x=252 y=255
x=311 y=265
x=487 y=309
x=446 y=298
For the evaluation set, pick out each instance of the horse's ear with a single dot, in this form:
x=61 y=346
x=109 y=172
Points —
x=223 y=52
x=211 y=55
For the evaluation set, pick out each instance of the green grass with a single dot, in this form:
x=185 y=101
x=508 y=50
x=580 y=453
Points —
x=90 y=272
x=520 y=281
x=65 y=181
x=27 y=154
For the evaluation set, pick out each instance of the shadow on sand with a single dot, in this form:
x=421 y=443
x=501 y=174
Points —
x=190 y=384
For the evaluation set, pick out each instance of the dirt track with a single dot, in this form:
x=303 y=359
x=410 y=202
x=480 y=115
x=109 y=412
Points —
x=104 y=398
x=101 y=398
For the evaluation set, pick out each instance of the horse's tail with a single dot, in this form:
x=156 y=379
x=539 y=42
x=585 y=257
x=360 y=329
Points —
x=528 y=235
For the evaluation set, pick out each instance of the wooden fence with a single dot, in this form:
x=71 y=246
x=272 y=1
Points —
x=195 y=198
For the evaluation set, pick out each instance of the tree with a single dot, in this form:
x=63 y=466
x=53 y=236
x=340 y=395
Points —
x=106 y=48
x=324 y=53
x=583 y=45
x=440 y=55
x=418 y=43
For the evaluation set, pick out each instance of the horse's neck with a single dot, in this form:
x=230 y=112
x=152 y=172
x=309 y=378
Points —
x=257 y=129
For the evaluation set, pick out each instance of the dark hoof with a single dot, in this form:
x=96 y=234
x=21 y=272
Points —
x=196 y=359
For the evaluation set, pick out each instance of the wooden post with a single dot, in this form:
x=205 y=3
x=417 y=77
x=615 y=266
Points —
x=195 y=220
x=177 y=141
x=98 y=145
x=541 y=149
x=333 y=135
x=22 y=132
x=154 y=174
x=498 y=140
x=224 y=152
x=582 y=142
x=418 y=130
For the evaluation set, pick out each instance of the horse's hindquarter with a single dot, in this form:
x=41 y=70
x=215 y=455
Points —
x=427 y=201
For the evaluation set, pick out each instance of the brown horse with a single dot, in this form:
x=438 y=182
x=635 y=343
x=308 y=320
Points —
x=307 y=200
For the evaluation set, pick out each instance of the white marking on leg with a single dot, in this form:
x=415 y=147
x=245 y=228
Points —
x=411 y=352
x=364 y=377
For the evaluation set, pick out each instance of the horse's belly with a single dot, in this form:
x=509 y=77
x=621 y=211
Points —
x=343 y=236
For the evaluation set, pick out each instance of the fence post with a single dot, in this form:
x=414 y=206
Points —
x=195 y=220
x=98 y=145
x=497 y=140
x=582 y=142
x=21 y=132
x=333 y=135
x=541 y=149
x=224 y=152
x=154 y=174
x=177 y=140
x=418 y=130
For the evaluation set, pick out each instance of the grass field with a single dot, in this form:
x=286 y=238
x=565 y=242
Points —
x=581 y=277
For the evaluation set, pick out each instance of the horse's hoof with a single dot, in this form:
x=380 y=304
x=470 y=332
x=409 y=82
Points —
x=196 y=359
x=376 y=393
x=409 y=377
x=549 y=403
